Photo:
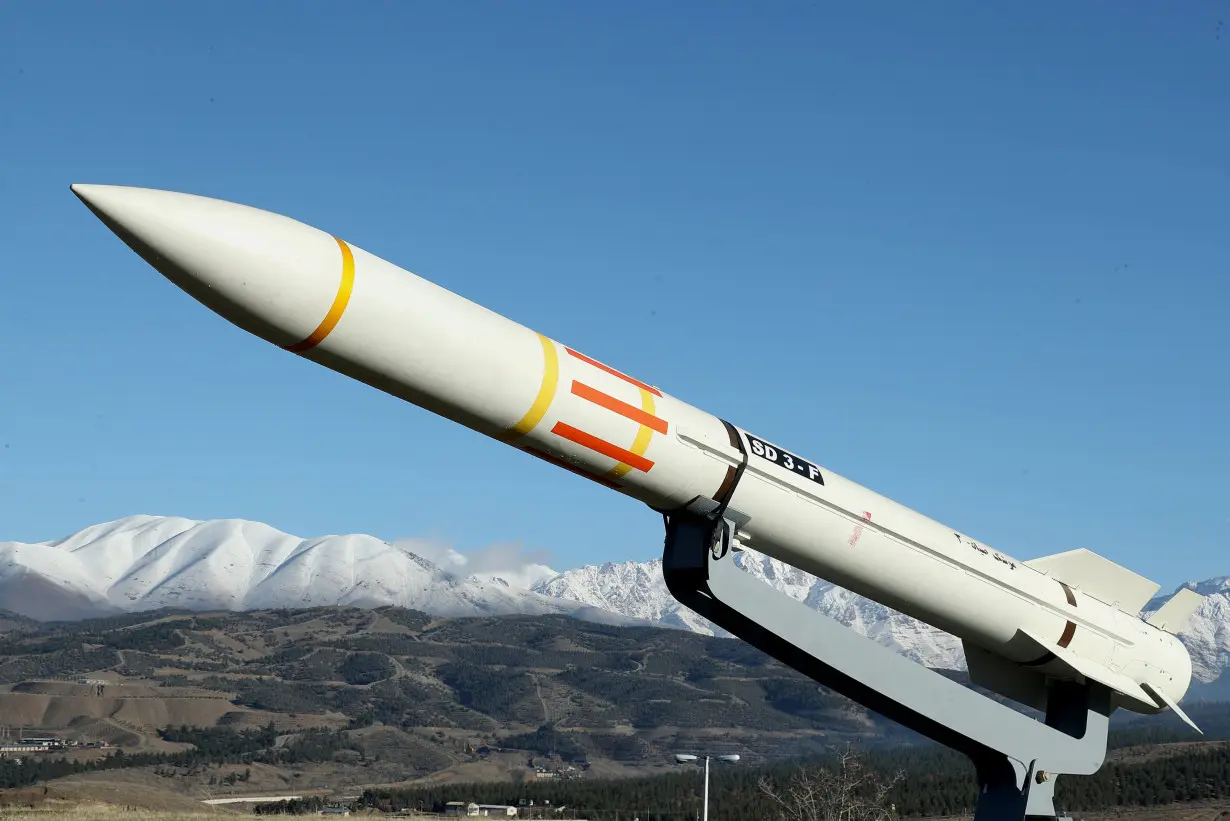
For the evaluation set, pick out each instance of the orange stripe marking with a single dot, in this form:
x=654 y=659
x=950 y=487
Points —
x=619 y=406
x=612 y=371
x=336 y=310
x=602 y=446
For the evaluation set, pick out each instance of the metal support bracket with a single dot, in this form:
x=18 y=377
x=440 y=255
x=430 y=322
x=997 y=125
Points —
x=1016 y=757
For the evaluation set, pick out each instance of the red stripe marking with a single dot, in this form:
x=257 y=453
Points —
x=560 y=463
x=619 y=406
x=602 y=446
x=612 y=371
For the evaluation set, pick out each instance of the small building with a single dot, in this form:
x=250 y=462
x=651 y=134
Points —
x=43 y=741
x=472 y=810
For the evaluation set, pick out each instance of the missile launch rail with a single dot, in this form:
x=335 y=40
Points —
x=1016 y=757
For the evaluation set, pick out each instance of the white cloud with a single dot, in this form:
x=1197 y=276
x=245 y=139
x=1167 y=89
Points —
x=516 y=565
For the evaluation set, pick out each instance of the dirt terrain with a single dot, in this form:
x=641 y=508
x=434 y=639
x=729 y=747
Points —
x=346 y=699
x=620 y=699
x=1213 y=811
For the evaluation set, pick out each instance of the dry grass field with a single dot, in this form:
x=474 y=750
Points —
x=117 y=812
x=103 y=812
x=1213 y=811
x=396 y=698
x=113 y=812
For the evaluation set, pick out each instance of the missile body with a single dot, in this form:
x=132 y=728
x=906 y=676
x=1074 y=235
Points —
x=1070 y=616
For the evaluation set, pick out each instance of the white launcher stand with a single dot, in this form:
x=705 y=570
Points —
x=1017 y=758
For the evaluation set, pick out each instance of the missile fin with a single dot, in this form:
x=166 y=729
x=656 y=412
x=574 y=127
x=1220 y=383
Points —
x=1096 y=672
x=1098 y=577
x=1174 y=614
x=1163 y=701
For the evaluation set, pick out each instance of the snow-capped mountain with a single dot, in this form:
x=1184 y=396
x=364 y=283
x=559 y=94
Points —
x=148 y=562
x=637 y=589
x=1207 y=635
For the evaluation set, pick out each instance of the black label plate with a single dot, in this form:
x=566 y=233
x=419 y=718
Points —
x=785 y=459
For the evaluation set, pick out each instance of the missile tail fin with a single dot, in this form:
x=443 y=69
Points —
x=994 y=673
x=1163 y=701
x=1174 y=614
x=1098 y=577
x=1096 y=672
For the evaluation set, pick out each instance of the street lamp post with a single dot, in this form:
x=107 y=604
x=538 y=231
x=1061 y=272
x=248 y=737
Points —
x=684 y=758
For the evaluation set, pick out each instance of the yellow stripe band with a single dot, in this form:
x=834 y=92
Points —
x=546 y=392
x=337 y=309
x=641 y=443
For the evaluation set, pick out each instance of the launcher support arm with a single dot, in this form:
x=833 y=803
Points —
x=1016 y=757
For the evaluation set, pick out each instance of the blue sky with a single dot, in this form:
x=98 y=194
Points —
x=976 y=261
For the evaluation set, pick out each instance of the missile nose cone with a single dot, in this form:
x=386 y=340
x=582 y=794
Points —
x=268 y=274
x=101 y=199
x=82 y=191
x=85 y=191
x=106 y=201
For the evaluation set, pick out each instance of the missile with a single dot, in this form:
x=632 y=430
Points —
x=1069 y=616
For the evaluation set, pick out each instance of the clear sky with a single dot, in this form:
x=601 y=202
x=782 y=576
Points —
x=975 y=260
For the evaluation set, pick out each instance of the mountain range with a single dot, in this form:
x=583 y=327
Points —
x=149 y=562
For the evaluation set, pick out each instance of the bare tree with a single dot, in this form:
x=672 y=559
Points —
x=848 y=790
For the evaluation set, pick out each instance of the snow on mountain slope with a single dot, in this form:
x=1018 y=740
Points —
x=148 y=562
x=522 y=578
x=637 y=589
x=1207 y=635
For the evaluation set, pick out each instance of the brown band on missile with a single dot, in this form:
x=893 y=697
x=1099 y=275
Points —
x=1067 y=591
x=728 y=484
x=732 y=433
x=1068 y=632
x=1069 y=629
x=728 y=481
x=340 y=301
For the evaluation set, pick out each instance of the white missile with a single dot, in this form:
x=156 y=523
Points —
x=1072 y=615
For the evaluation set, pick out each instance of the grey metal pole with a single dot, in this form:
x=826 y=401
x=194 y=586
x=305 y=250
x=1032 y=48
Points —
x=706 y=817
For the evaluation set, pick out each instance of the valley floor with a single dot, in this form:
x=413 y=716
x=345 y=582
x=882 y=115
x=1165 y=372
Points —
x=68 y=802
x=330 y=701
x=1203 y=811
